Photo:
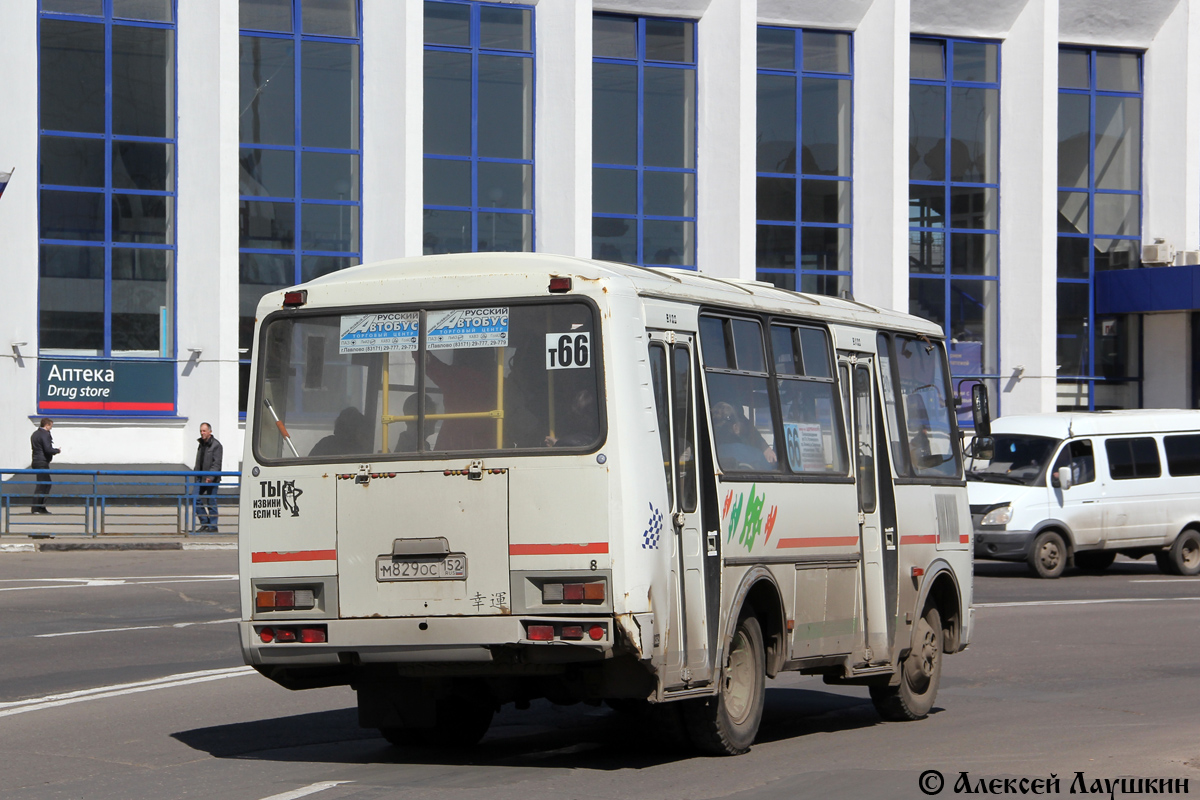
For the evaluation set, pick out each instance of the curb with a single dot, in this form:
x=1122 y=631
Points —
x=64 y=547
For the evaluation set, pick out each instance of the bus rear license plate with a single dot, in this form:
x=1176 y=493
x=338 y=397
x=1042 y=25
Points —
x=449 y=568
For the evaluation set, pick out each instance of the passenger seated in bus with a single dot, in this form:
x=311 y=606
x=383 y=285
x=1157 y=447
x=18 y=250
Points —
x=406 y=442
x=740 y=447
x=351 y=435
x=579 y=426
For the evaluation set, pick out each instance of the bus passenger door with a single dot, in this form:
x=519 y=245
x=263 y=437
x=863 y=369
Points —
x=671 y=366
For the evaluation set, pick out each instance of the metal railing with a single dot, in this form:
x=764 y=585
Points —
x=117 y=502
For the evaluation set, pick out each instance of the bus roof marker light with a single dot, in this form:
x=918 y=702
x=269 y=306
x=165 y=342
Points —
x=559 y=284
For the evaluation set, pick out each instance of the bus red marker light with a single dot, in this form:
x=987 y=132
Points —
x=573 y=592
x=297 y=298
x=541 y=633
x=285 y=635
x=312 y=635
x=572 y=632
x=596 y=632
x=267 y=635
x=917 y=572
x=285 y=600
x=558 y=284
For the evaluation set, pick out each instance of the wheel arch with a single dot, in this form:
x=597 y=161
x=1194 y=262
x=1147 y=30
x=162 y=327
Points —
x=942 y=590
x=1059 y=527
x=759 y=591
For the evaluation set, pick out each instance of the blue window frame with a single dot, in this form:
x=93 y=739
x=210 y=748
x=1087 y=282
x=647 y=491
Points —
x=644 y=140
x=804 y=159
x=954 y=198
x=301 y=148
x=478 y=127
x=1099 y=223
x=106 y=178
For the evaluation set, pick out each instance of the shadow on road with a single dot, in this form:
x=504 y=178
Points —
x=1019 y=569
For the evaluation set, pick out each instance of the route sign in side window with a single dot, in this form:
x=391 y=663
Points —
x=813 y=435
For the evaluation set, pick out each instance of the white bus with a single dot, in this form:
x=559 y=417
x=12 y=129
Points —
x=488 y=478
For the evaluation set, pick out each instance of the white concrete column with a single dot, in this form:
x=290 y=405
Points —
x=1028 y=211
x=880 y=173
x=563 y=128
x=393 y=116
x=727 y=56
x=18 y=229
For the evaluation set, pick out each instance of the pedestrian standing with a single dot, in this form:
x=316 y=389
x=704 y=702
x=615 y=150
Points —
x=44 y=452
x=208 y=459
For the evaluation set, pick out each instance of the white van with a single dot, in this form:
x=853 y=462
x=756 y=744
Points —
x=1081 y=487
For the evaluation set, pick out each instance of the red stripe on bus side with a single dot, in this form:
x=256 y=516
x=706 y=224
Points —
x=818 y=541
x=299 y=555
x=930 y=538
x=556 y=549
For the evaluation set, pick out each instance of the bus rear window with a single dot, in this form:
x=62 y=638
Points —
x=348 y=385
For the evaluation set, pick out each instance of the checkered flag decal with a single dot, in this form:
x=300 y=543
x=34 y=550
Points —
x=653 y=530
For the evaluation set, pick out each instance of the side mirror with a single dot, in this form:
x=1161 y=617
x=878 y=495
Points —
x=1063 y=478
x=983 y=447
x=981 y=411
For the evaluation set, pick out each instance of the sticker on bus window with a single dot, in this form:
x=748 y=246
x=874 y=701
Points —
x=379 y=333
x=568 y=350
x=805 y=446
x=456 y=328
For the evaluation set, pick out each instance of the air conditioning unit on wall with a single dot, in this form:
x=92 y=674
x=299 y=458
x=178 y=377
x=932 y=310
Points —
x=1186 y=258
x=1158 y=253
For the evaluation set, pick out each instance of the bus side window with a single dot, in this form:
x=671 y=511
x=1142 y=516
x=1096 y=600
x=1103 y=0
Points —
x=658 y=382
x=813 y=438
x=739 y=394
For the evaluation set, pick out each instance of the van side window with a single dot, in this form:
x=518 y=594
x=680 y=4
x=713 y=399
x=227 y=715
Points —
x=813 y=438
x=1078 y=456
x=738 y=394
x=1183 y=454
x=1132 y=458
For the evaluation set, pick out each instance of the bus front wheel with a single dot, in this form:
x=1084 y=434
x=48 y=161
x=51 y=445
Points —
x=727 y=723
x=920 y=674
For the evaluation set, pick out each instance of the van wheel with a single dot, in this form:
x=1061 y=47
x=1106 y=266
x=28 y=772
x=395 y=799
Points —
x=1185 y=553
x=920 y=674
x=726 y=724
x=1095 y=560
x=1048 y=556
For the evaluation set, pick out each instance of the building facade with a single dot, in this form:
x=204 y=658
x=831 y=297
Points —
x=1026 y=173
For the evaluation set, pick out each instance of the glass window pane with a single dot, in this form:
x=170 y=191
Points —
x=776 y=48
x=825 y=249
x=267 y=173
x=1073 y=212
x=658 y=383
x=826 y=127
x=669 y=117
x=505 y=185
x=1074 y=140
x=1118 y=143
x=813 y=443
x=71 y=299
x=329 y=176
x=1117 y=254
x=92 y=8
x=267 y=225
x=505 y=233
x=783 y=346
x=927 y=59
x=668 y=194
x=504 y=28
x=329 y=227
x=72 y=76
x=974 y=131
x=329 y=81
x=815 y=346
x=267 y=103
x=776 y=123
x=825 y=201
x=143 y=81
x=1073 y=69
x=826 y=52
x=152 y=10
x=447 y=183
x=72 y=162
x=1117 y=214
x=927 y=299
x=313 y=267
x=266 y=15
x=258 y=274
x=927 y=133
x=448 y=103
x=1118 y=72
x=973 y=207
x=505 y=107
x=973 y=253
x=685 y=465
x=614 y=114
x=668 y=242
x=614 y=191
x=448 y=23
x=143 y=165
x=1117 y=349
x=614 y=37
x=715 y=343
x=743 y=425
x=328 y=17
x=1073 y=255
x=748 y=345
x=775 y=247
x=975 y=61
x=1073 y=358
x=924 y=397
x=614 y=240
x=72 y=215
x=829 y=285
x=926 y=205
x=927 y=252
x=141 y=294
x=669 y=40
x=142 y=218
x=447 y=232
x=777 y=199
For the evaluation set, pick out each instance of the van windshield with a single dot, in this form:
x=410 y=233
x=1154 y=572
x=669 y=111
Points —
x=1017 y=459
x=349 y=385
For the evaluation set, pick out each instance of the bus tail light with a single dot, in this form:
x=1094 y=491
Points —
x=541 y=633
x=596 y=632
x=285 y=635
x=285 y=600
x=313 y=635
x=574 y=592
x=267 y=635
x=572 y=632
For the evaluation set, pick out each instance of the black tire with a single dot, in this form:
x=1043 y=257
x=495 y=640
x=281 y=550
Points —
x=1095 y=560
x=920 y=674
x=726 y=724
x=1185 y=553
x=461 y=722
x=1048 y=556
x=1163 y=559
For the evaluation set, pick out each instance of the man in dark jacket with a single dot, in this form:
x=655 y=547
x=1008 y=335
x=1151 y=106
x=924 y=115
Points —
x=44 y=452
x=208 y=459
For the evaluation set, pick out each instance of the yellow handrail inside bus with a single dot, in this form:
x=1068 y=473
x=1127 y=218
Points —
x=497 y=413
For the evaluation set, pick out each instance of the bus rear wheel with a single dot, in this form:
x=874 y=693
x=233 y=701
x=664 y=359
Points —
x=726 y=724
x=920 y=674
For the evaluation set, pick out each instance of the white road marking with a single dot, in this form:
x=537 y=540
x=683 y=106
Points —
x=1164 y=580
x=135 y=628
x=120 y=578
x=79 y=583
x=17 y=547
x=1084 y=602
x=307 y=790
x=102 y=692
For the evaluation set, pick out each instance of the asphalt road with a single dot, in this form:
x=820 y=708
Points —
x=120 y=678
